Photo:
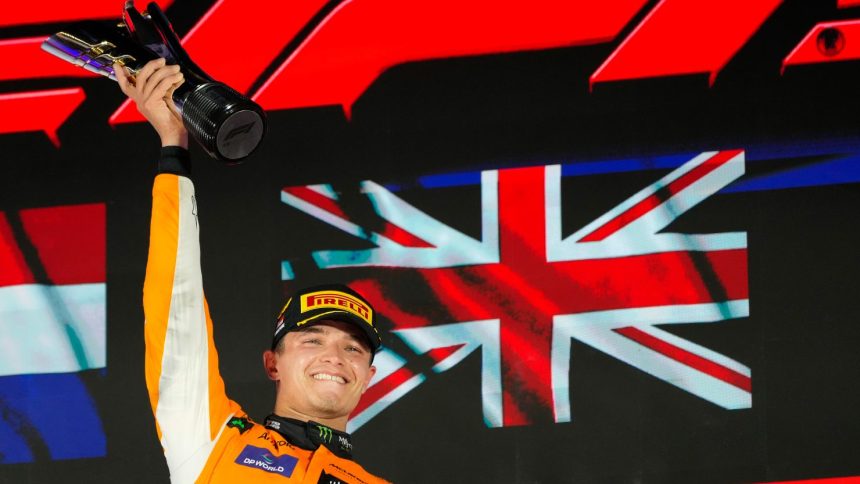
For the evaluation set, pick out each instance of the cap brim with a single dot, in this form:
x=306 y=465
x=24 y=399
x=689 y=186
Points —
x=346 y=317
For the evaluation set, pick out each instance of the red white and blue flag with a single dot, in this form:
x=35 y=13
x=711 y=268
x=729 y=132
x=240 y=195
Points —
x=523 y=290
x=52 y=327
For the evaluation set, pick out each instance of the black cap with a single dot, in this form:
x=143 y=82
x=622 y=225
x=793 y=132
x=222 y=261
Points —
x=331 y=301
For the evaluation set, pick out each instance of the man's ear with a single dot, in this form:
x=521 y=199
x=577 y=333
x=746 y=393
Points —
x=270 y=364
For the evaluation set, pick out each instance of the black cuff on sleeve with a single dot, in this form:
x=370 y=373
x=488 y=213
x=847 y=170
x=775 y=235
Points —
x=175 y=160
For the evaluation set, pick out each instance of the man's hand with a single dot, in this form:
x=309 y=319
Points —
x=151 y=90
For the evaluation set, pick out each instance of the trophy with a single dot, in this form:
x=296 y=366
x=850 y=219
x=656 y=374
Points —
x=228 y=125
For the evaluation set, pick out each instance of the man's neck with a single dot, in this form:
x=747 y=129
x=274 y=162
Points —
x=311 y=435
x=337 y=423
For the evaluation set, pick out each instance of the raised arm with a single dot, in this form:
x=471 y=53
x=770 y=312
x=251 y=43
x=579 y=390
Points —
x=185 y=388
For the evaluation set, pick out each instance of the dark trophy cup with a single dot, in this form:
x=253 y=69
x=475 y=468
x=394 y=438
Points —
x=228 y=125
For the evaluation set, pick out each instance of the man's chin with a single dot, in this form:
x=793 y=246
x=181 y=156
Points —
x=330 y=404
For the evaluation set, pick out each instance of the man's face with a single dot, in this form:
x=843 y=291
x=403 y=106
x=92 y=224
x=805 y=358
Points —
x=323 y=369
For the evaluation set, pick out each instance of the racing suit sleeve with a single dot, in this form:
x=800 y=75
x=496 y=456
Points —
x=185 y=388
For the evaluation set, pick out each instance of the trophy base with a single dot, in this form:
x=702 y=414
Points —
x=224 y=122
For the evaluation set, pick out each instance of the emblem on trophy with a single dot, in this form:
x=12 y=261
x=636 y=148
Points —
x=227 y=124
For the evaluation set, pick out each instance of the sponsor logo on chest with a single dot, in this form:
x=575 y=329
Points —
x=263 y=459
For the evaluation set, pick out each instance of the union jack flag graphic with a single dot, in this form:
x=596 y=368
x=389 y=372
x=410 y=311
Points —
x=524 y=290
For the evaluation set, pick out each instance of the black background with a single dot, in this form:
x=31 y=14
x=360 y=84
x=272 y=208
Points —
x=501 y=111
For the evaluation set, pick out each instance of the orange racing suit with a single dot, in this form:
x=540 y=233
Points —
x=206 y=436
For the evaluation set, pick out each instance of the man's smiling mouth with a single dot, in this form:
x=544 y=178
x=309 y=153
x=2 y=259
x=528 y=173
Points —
x=328 y=377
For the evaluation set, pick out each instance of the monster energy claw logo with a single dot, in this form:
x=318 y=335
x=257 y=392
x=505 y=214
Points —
x=325 y=433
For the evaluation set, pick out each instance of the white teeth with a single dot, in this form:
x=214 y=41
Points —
x=326 y=376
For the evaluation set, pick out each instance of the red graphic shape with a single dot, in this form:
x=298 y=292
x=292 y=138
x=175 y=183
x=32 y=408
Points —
x=39 y=110
x=17 y=13
x=525 y=292
x=362 y=38
x=69 y=242
x=258 y=31
x=830 y=480
x=13 y=267
x=827 y=42
x=847 y=3
x=682 y=37
x=32 y=62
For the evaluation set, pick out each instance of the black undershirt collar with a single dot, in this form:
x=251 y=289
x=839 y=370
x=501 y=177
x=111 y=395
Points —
x=310 y=435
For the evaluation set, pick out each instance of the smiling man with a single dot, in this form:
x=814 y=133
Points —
x=321 y=355
x=320 y=358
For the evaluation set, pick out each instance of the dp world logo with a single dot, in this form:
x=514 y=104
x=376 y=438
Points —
x=262 y=459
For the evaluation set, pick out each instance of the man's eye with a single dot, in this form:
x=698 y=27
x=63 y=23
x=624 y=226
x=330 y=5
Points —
x=354 y=349
x=315 y=341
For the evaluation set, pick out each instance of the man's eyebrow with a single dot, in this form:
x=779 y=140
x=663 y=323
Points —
x=358 y=338
x=354 y=334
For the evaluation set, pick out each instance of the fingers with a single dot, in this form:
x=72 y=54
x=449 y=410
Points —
x=168 y=98
x=151 y=90
x=121 y=78
x=156 y=77
x=165 y=84
x=153 y=84
x=143 y=76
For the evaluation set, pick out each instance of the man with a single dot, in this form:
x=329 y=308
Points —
x=320 y=358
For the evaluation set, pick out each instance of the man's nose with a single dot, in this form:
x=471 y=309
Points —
x=333 y=353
